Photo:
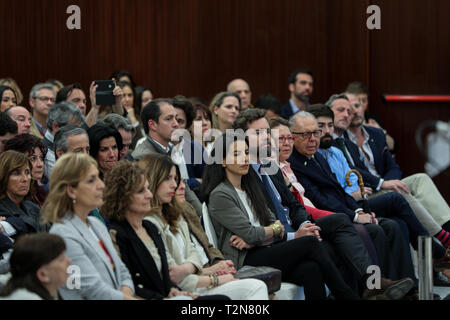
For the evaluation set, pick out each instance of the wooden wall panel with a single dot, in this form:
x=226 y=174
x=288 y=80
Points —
x=195 y=47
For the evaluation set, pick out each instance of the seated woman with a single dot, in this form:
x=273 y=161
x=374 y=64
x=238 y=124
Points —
x=75 y=190
x=105 y=143
x=248 y=232
x=201 y=126
x=36 y=151
x=185 y=265
x=224 y=107
x=15 y=180
x=38 y=268
x=8 y=98
x=127 y=202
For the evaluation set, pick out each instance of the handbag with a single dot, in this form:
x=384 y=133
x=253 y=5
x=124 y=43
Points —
x=270 y=276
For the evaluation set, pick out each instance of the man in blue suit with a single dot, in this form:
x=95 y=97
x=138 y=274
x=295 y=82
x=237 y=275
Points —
x=301 y=87
x=325 y=192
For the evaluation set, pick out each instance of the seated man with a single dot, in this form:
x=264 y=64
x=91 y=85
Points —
x=22 y=117
x=391 y=205
x=336 y=230
x=380 y=171
x=241 y=88
x=325 y=192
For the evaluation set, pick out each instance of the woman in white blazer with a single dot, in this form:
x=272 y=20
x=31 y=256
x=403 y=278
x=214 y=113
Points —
x=97 y=272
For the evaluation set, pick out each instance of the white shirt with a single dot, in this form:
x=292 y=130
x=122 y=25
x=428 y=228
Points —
x=365 y=151
x=243 y=196
x=178 y=159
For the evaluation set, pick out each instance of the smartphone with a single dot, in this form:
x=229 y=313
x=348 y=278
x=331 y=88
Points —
x=104 y=95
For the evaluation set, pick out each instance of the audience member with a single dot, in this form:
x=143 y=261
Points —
x=60 y=115
x=75 y=190
x=270 y=103
x=38 y=268
x=8 y=129
x=314 y=173
x=10 y=82
x=224 y=107
x=128 y=102
x=201 y=126
x=71 y=138
x=127 y=202
x=126 y=130
x=142 y=96
x=418 y=190
x=242 y=89
x=249 y=234
x=123 y=75
x=105 y=143
x=15 y=180
x=8 y=98
x=36 y=151
x=301 y=88
x=42 y=98
x=185 y=265
x=22 y=117
x=336 y=229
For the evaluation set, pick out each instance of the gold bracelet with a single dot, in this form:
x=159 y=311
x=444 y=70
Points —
x=211 y=281
x=276 y=229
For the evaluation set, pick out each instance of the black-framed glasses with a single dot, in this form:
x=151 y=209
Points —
x=45 y=99
x=308 y=134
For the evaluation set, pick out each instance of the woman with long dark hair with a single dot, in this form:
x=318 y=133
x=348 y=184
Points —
x=248 y=232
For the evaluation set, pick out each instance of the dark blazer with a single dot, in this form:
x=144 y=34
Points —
x=194 y=152
x=146 y=278
x=28 y=212
x=297 y=212
x=321 y=187
x=385 y=164
x=286 y=111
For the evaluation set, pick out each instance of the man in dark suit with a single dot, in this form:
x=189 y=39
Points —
x=301 y=88
x=368 y=153
x=159 y=120
x=322 y=188
x=340 y=237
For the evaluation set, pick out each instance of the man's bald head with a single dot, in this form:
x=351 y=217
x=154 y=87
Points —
x=242 y=88
x=22 y=117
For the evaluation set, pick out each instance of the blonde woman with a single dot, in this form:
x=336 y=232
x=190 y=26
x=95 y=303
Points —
x=224 y=107
x=75 y=190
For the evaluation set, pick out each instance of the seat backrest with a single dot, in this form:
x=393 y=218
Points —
x=209 y=228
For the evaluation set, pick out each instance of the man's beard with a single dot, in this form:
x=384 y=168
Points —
x=302 y=97
x=326 y=141
x=357 y=122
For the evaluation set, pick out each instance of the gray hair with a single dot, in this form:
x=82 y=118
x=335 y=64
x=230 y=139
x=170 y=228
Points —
x=117 y=122
x=62 y=113
x=40 y=86
x=301 y=114
x=335 y=97
x=64 y=133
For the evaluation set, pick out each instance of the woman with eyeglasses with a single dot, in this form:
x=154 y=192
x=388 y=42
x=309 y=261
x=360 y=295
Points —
x=15 y=180
x=36 y=151
x=285 y=145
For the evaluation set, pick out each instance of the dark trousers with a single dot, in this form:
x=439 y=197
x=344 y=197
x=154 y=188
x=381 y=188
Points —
x=304 y=262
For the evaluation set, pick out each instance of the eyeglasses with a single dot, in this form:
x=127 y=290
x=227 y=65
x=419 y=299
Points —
x=45 y=99
x=33 y=159
x=288 y=138
x=308 y=134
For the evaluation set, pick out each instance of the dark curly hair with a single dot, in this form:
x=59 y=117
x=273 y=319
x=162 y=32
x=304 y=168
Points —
x=26 y=143
x=124 y=180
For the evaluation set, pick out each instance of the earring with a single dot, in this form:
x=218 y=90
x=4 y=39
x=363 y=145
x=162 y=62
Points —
x=74 y=201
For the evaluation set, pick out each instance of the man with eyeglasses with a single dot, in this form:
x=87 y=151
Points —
x=42 y=98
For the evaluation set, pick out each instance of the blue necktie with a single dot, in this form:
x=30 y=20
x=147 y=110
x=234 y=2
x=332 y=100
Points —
x=281 y=212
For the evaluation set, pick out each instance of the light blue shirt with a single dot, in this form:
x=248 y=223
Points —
x=338 y=164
